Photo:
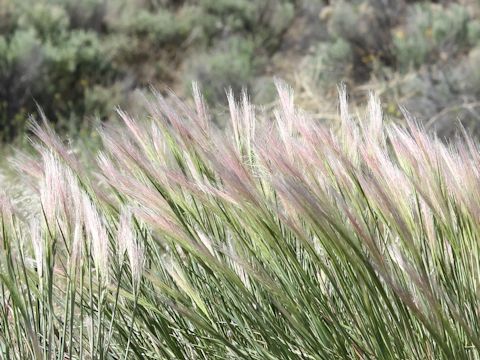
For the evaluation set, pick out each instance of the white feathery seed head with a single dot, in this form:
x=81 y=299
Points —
x=51 y=187
x=125 y=234
x=98 y=236
x=38 y=246
x=6 y=207
x=136 y=257
x=131 y=244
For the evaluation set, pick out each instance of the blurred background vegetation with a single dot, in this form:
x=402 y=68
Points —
x=78 y=59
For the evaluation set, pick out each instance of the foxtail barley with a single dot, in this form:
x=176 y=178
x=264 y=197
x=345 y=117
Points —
x=278 y=237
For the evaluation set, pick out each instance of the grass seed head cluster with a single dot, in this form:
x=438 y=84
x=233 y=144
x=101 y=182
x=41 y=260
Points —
x=275 y=238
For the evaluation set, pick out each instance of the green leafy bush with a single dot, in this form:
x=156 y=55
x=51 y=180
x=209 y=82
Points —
x=431 y=30
x=232 y=64
x=418 y=54
x=58 y=54
x=255 y=30
x=46 y=62
x=332 y=62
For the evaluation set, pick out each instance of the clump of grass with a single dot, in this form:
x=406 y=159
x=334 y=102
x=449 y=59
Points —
x=274 y=239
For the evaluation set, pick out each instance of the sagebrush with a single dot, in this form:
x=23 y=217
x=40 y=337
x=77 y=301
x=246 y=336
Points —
x=80 y=59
